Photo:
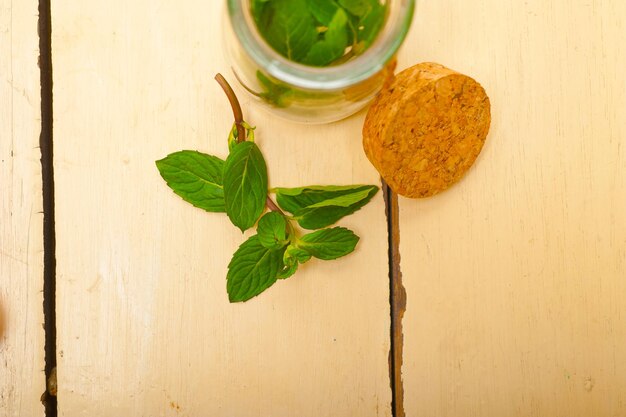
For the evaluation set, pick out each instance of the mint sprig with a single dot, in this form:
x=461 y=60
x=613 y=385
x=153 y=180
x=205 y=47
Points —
x=313 y=32
x=238 y=186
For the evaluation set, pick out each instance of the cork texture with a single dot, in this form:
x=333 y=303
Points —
x=426 y=129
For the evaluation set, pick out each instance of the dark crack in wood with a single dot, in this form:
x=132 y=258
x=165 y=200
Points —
x=397 y=300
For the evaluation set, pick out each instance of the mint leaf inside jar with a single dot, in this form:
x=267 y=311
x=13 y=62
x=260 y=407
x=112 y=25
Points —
x=318 y=32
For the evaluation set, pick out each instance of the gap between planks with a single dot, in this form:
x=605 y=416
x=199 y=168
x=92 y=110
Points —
x=397 y=301
x=48 y=398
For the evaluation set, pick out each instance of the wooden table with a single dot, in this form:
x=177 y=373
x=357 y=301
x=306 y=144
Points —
x=515 y=279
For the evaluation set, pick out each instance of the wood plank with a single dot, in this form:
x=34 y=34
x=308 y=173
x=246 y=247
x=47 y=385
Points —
x=515 y=278
x=144 y=324
x=22 y=379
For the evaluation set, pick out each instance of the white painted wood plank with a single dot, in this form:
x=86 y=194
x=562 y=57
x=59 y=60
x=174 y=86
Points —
x=144 y=324
x=22 y=379
x=516 y=277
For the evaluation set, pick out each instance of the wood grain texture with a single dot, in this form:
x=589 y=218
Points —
x=144 y=323
x=22 y=379
x=516 y=277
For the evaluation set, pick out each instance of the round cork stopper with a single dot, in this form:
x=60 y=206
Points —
x=426 y=129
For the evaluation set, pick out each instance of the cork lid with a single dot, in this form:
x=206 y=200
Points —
x=426 y=128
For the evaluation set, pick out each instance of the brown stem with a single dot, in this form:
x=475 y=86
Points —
x=241 y=130
x=234 y=103
x=272 y=206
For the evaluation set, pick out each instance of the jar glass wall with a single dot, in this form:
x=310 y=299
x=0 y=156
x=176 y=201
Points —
x=312 y=94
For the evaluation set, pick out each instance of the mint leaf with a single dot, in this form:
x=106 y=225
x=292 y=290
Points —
x=345 y=200
x=288 y=271
x=196 y=177
x=245 y=185
x=291 y=259
x=358 y=7
x=261 y=12
x=295 y=254
x=288 y=27
x=275 y=93
x=272 y=230
x=252 y=270
x=340 y=189
x=316 y=207
x=323 y=10
x=371 y=24
x=334 y=44
x=329 y=244
x=257 y=6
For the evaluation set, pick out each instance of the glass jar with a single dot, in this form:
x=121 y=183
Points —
x=312 y=94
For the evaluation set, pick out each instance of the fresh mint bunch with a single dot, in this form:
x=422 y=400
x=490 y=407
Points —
x=318 y=32
x=313 y=32
x=238 y=186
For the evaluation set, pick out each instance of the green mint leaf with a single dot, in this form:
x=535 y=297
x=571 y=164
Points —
x=323 y=10
x=196 y=177
x=272 y=230
x=289 y=28
x=334 y=44
x=345 y=200
x=328 y=244
x=245 y=185
x=252 y=270
x=293 y=257
x=257 y=6
x=261 y=12
x=295 y=254
x=274 y=93
x=371 y=24
x=353 y=29
x=358 y=7
x=232 y=138
x=316 y=207
x=288 y=271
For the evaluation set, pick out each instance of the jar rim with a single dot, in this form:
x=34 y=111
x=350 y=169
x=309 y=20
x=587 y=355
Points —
x=335 y=77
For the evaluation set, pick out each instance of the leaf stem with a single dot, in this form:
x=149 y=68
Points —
x=272 y=206
x=241 y=130
x=234 y=103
